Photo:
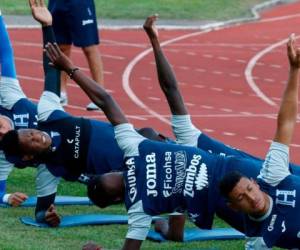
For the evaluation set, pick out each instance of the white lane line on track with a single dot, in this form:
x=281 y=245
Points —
x=208 y=130
x=253 y=138
x=217 y=72
x=142 y=116
x=249 y=69
x=216 y=89
x=28 y=44
x=42 y=80
x=236 y=92
x=24 y=59
x=228 y=133
x=272 y=19
x=131 y=65
x=154 y=98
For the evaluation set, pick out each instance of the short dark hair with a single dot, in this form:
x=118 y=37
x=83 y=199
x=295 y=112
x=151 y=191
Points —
x=228 y=182
x=10 y=143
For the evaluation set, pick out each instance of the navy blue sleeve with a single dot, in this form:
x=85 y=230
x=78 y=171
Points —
x=52 y=75
x=43 y=203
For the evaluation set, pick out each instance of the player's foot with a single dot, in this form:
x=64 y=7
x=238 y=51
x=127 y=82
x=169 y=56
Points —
x=63 y=98
x=92 y=106
x=149 y=26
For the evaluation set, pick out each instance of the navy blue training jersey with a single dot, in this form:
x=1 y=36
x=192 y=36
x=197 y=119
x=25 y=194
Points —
x=81 y=146
x=170 y=178
x=282 y=226
x=23 y=114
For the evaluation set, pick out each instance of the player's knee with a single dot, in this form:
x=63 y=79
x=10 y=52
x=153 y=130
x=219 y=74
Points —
x=90 y=50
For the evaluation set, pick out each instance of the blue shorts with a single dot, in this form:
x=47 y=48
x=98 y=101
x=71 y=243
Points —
x=74 y=22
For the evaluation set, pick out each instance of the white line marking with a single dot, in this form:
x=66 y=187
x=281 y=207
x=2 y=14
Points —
x=216 y=89
x=236 y=92
x=245 y=113
x=223 y=58
x=199 y=86
x=206 y=107
x=269 y=80
x=208 y=130
x=184 y=67
x=154 y=98
x=226 y=110
x=189 y=104
x=276 y=66
x=24 y=59
x=217 y=72
x=228 y=133
x=42 y=80
x=136 y=117
x=251 y=65
x=251 y=138
x=131 y=65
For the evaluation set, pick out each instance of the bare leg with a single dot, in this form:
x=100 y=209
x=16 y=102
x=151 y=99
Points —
x=93 y=57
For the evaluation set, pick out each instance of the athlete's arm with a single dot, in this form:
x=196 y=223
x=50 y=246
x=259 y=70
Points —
x=276 y=165
x=139 y=224
x=45 y=211
x=288 y=111
x=166 y=76
x=95 y=91
x=46 y=186
x=41 y=14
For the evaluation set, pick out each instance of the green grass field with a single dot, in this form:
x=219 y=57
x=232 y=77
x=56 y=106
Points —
x=15 y=235
x=167 y=9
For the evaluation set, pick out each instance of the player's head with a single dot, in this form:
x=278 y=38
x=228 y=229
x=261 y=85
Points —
x=6 y=125
x=106 y=189
x=26 y=143
x=243 y=194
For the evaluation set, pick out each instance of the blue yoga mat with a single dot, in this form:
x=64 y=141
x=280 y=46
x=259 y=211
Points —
x=83 y=220
x=59 y=200
x=199 y=234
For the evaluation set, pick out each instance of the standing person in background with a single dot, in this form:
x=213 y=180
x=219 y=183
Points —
x=75 y=22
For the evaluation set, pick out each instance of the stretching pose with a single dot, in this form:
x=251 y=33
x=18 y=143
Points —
x=271 y=204
x=69 y=146
x=187 y=134
x=160 y=178
x=16 y=111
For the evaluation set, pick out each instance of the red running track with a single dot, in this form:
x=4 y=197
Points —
x=232 y=78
